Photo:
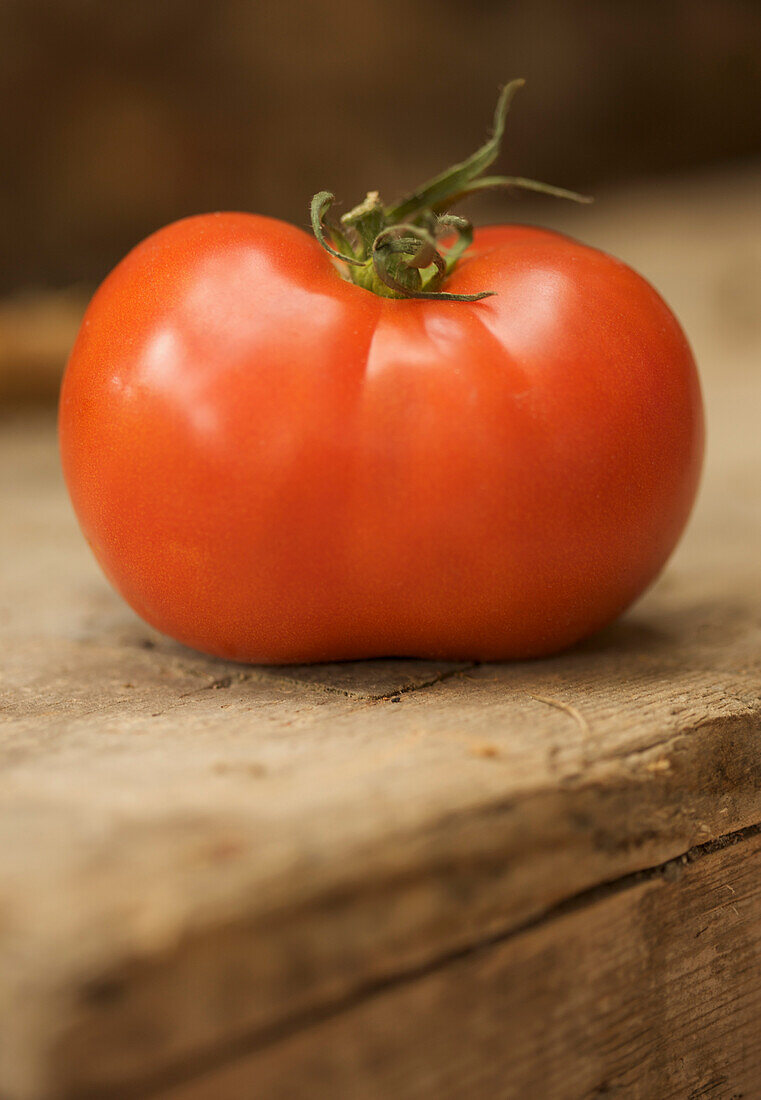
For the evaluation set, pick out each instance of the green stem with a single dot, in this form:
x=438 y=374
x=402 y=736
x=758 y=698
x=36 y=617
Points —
x=393 y=251
x=453 y=179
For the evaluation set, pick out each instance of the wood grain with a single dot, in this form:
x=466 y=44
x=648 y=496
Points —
x=649 y=988
x=195 y=855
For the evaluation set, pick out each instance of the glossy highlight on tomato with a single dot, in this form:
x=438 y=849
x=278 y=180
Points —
x=273 y=464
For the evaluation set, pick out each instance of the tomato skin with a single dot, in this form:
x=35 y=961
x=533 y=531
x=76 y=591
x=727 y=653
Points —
x=274 y=465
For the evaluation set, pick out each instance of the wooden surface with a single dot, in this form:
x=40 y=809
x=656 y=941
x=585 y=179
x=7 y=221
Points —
x=520 y=1017
x=395 y=878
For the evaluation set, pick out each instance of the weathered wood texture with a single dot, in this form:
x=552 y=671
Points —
x=199 y=859
x=647 y=989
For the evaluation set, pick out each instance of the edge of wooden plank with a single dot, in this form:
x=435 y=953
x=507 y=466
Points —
x=602 y=996
x=223 y=984
x=214 y=1070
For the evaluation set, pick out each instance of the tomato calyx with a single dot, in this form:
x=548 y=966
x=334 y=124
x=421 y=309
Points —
x=408 y=249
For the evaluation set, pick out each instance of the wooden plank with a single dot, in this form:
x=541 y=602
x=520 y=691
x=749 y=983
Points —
x=650 y=988
x=194 y=852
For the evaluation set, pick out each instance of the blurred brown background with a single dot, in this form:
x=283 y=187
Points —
x=119 y=117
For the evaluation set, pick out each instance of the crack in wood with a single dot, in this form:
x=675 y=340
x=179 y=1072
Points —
x=669 y=871
x=321 y=687
x=442 y=677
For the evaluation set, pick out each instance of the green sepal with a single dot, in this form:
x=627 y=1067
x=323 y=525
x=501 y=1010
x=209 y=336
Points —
x=394 y=251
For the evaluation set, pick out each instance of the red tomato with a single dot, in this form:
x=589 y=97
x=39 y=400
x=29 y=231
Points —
x=272 y=464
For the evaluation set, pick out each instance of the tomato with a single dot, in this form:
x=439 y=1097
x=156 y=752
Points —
x=378 y=445
x=273 y=464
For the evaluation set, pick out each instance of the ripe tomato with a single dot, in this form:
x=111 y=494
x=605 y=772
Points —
x=273 y=464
